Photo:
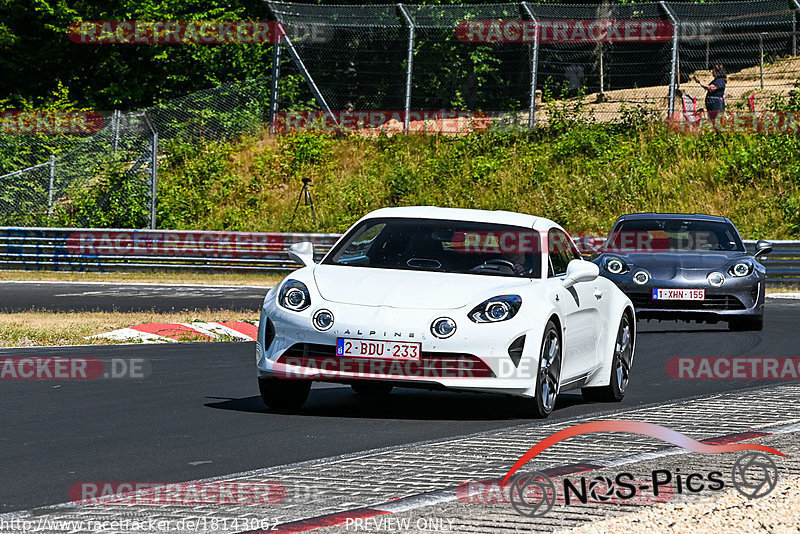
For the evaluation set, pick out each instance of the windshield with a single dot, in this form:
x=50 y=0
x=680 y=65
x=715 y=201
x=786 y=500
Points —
x=441 y=246
x=662 y=235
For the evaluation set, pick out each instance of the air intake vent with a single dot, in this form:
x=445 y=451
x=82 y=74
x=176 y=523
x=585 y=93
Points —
x=269 y=334
x=515 y=350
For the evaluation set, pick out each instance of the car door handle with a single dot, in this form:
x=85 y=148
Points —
x=598 y=294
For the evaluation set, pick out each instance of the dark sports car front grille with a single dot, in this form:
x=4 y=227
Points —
x=712 y=302
x=430 y=364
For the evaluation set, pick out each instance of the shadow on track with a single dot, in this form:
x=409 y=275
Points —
x=402 y=403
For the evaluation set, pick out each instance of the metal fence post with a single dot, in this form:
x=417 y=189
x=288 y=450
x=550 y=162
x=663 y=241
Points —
x=534 y=66
x=673 y=76
x=794 y=27
x=276 y=73
x=52 y=184
x=409 y=64
x=153 y=180
x=761 y=57
x=115 y=129
x=602 y=70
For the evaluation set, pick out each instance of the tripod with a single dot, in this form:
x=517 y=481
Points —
x=305 y=195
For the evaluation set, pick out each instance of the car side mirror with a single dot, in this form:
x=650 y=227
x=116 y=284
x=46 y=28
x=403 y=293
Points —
x=763 y=248
x=580 y=271
x=302 y=253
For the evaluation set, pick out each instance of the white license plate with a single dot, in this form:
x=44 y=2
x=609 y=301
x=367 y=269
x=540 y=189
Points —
x=371 y=348
x=679 y=294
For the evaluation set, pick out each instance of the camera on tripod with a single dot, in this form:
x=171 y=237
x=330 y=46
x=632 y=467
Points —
x=305 y=196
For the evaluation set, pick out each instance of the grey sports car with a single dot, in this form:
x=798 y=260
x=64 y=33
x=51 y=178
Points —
x=686 y=267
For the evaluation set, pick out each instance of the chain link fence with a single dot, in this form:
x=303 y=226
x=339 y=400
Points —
x=109 y=178
x=526 y=61
x=524 y=64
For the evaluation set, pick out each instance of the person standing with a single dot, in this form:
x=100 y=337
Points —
x=715 y=92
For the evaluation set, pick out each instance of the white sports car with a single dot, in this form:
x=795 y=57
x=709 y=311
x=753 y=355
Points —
x=441 y=298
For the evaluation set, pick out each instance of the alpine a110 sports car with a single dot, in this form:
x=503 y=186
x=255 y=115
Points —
x=442 y=298
x=686 y=267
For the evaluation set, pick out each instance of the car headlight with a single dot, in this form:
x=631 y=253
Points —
x=323 y=319
x=443 y=327
x=294 y=296
x=641 y=278
x=716 y=279
x=495 y=309
x=740 y=269
x=616 y=266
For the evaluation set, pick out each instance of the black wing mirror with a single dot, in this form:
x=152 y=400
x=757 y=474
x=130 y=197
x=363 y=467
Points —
x=763 y=248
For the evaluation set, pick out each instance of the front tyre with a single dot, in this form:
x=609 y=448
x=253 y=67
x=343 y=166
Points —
x=620 y=367
x=549 y=374
x=283 y=394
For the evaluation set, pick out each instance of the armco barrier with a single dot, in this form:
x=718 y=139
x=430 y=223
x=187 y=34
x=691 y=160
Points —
x=83 y=249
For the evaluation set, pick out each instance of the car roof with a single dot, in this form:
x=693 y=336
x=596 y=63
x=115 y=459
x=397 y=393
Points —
x=673 y=216
x=461 y=214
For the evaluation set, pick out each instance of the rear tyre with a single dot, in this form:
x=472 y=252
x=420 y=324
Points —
x=746 y=324
x=620 y=367
x=372 y=388
x=283 y=394
x=548 y=376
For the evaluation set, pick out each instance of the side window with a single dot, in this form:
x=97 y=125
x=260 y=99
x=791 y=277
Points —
x=357 y=251
x=561 y=251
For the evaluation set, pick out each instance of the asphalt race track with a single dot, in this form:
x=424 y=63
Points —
x=99 y=296
x=197 y=414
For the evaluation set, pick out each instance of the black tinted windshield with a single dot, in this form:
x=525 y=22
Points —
x=654 y=235
x=443 y=246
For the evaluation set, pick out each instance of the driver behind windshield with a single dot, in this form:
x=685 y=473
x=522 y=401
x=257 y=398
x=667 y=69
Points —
x=443 y=246
x=518 y=261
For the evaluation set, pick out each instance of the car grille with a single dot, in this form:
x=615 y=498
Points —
x=430 y=364
x=711 y=302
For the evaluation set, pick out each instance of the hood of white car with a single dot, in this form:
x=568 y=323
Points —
x=409 y=289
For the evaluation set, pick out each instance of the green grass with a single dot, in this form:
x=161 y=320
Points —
x=45 y=328
x=581 y=175
x=152 y=277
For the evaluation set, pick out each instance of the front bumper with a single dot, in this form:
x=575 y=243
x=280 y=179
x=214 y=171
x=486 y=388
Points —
x=475 y=358
x=735 y=298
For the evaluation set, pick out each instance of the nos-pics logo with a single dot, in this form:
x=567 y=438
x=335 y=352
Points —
x=533 y=494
